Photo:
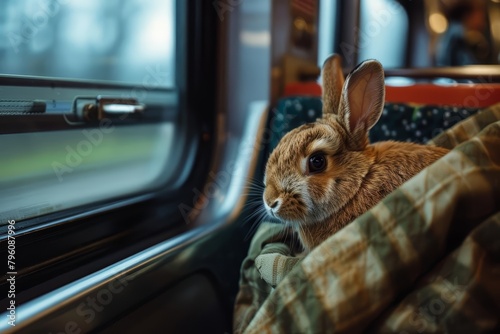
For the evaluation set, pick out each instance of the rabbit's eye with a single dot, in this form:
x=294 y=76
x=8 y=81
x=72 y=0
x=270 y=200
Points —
x=317 y=163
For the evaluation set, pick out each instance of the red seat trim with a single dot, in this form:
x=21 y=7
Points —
x=463 y=95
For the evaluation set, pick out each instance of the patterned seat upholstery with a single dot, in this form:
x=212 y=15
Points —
x=416 y=124
x=291 y=113
x=402 y=122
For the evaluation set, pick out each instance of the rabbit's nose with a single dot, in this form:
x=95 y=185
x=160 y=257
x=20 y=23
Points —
x=275 y=204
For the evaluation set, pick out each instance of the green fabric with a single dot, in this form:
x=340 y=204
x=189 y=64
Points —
x=425 y=259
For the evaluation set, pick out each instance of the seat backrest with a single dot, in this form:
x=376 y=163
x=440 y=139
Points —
x=399 y=121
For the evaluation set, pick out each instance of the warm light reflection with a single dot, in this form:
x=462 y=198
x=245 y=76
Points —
x=300 y=23
x=495 y=29
x=438 y=23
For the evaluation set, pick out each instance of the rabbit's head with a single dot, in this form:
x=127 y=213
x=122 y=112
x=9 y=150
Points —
x=317 y=168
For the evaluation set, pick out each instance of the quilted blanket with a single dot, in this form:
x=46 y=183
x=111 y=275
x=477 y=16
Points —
x=426 y=259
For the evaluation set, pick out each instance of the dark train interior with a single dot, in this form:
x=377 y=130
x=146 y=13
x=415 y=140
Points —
x=134 y=137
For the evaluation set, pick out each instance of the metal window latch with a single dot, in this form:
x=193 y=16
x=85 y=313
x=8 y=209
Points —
x=100 y=107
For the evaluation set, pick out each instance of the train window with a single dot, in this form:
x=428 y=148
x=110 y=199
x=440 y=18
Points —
x=383 y=32
x=424 y=34
x=98 y=40
x=89 y=103
x=463 y=32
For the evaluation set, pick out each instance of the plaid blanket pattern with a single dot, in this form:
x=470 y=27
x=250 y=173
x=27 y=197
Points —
x=426 y=259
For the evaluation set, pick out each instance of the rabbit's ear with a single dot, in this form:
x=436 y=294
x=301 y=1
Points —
x=362 y=99
x=332 y=82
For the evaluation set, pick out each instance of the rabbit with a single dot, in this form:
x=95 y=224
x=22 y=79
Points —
x=323 y=175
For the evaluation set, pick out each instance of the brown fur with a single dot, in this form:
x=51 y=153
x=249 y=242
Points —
x=357 y=175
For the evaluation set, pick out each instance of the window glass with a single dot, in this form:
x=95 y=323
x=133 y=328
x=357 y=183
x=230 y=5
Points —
x=115 y=40
x=125 y=41
x=383 y=32
x=53 y=171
